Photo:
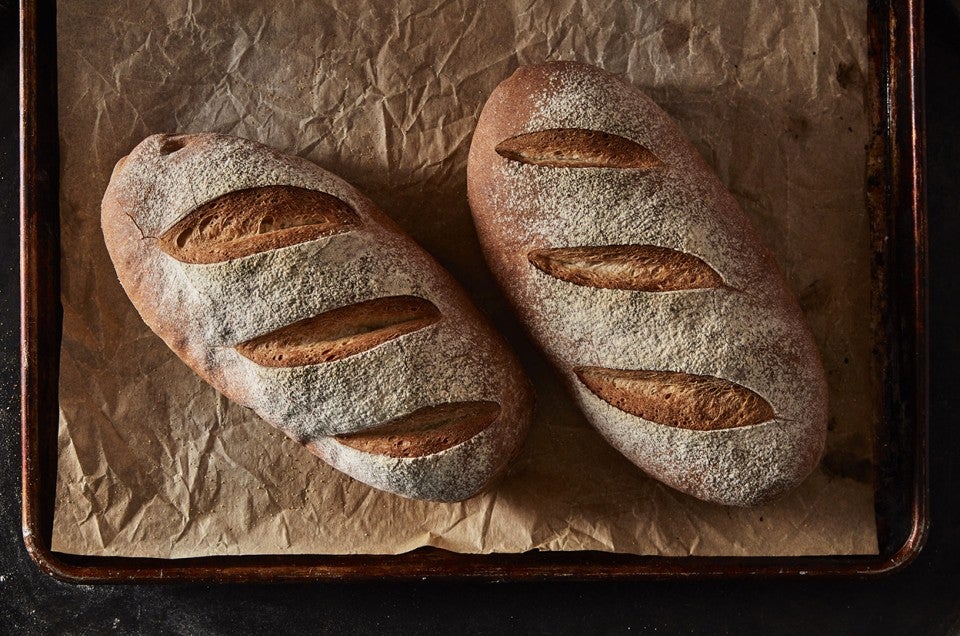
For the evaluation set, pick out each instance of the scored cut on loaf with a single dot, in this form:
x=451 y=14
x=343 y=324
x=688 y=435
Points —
x=640 y=277
x=292 y=294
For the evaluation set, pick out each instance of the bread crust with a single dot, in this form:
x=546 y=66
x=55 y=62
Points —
x=749 y=331
x=203 y=311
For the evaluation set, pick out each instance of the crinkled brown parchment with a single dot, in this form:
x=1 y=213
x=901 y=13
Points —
x=154 y=463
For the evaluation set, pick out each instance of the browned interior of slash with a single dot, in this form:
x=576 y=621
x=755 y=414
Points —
x=246 y=222
x=577 y=148
x=682 y=400
x=340 y=333
x=425 y=431
x=634 y=267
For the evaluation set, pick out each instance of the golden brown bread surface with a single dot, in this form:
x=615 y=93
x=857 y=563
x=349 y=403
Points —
x=427 y=431
x=255 y=220
x=637 y=267
x=576 y=148
x=683 y=400
x=340 y=333
x=642 y=280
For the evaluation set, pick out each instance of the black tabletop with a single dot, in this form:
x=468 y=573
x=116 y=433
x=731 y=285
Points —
x=924 y=598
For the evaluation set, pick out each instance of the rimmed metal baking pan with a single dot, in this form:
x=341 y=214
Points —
x=895 y=195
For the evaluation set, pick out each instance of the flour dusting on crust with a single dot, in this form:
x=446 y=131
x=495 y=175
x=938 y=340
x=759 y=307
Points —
x=751 y=332
x=203 y=311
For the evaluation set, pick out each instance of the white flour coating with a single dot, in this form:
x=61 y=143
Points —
x=168 y=176
x=635 y=206
x=396 y=474
x=292 y=283
x=452 y=474
x=203 y=310
x=752 y=333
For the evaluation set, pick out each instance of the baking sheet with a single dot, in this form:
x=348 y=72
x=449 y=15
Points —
x=152 y=462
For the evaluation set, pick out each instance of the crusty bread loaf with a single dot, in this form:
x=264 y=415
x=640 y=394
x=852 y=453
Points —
x=290 y=293
x=641 y=278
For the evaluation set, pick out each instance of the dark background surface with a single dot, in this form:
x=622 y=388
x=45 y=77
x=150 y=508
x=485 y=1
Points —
x=924 y=598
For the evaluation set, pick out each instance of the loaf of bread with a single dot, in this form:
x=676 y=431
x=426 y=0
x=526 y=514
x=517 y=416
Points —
x=643 y=281
x=289 y=292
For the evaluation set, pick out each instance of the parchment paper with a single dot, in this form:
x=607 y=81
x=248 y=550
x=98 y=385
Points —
x=152 y=462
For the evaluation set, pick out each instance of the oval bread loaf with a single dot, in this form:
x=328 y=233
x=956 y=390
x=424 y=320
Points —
x=643 y=281
x=289 y=292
